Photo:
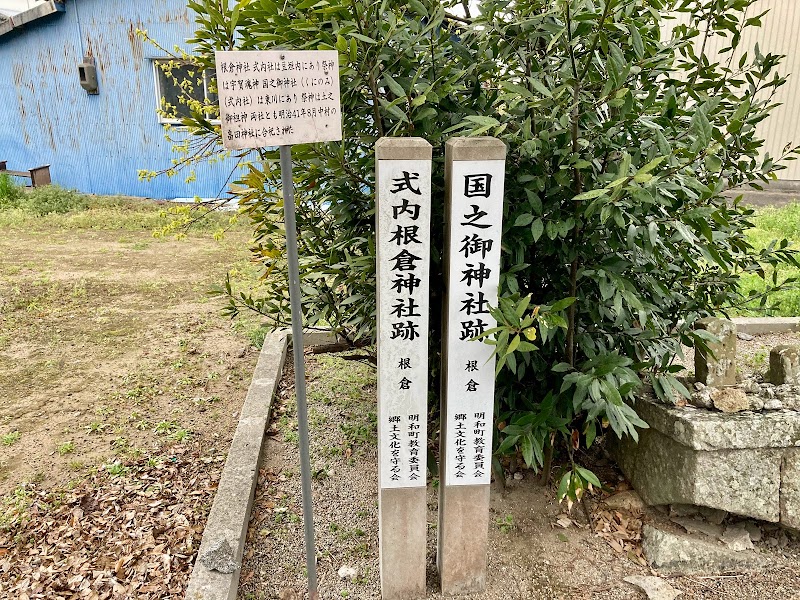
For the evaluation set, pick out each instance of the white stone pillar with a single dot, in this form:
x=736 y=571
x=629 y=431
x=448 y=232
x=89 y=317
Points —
x=474 y=179
x=403 y=213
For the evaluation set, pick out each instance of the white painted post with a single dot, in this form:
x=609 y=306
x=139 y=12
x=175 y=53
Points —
x=474 y=179
x=403 y=175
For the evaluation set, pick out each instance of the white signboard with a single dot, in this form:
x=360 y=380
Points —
x=403 y=255
x=474 y=273
x=277 y=98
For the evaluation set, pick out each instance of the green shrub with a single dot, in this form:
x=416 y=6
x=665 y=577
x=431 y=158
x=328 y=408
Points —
x=621 y=139
x=49 y=199
x=10 y=192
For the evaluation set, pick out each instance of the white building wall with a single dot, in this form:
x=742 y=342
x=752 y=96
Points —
x=779 y=34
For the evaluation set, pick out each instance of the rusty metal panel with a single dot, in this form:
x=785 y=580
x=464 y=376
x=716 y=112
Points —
x=97 y=143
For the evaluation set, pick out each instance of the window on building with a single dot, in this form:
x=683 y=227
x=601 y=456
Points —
x=179 y=86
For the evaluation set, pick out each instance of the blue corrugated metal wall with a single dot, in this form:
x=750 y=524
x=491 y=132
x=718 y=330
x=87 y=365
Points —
x=98 y=143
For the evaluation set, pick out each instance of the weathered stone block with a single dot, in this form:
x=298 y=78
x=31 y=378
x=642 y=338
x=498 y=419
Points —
x=718 y=368
x=790 y=489
x=670 y=553
x=730 y=400
x=744 y=463
x=784 y=365
x=745 y=482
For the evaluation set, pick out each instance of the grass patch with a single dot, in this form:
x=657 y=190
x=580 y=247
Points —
x=54 y=207
x=774 y=224
x=350 y=387
x=14 y=506
x=9 y=439
x=66 y=448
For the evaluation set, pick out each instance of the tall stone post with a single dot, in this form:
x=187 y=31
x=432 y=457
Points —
x=474 y=178
x=403 y=175
x=718 y=368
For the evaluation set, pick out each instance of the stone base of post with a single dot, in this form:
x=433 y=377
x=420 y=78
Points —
x=463 y=538
x=403 y=537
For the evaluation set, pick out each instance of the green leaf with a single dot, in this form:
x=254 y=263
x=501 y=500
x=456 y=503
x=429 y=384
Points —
x=395 y=87
x=591 y=433
x=537 y=228
x=540 y=87
x=563 y=304
x=653 y=164
x=523 y=220
x=741 y=111
x=514 y=88
x=591 y=194
x=418 y=7
x=482 y=120
x=587 y=475
x=701 y=128
x=713 y=163
x=507 y=444
x=527 y=450
x=394 y=111
x=563 y=486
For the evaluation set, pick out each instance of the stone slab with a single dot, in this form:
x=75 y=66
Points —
x=665 y=471
x=230 y=512
x=403 y=561
x=743 y=463
x=686 y=554
x=463 y=539
x=763 y=325
x=790 y=490
x=708 y=430
x=655 y=587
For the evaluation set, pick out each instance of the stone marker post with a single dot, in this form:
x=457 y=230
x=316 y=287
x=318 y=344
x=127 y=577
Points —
x=720 y=369
x=784 y=365
x=403 y=175
x=474 y=178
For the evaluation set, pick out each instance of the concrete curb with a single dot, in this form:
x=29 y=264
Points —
x=233 y=502
x=764 y=325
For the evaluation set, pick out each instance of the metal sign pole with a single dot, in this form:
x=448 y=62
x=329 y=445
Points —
x=299 y=365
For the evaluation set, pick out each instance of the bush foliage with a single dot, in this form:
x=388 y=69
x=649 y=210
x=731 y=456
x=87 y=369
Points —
x=39 y=201
x=622 y=136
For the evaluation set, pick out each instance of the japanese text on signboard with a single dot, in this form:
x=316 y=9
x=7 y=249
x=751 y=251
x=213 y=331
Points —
x=278 y=98
x=474 y=264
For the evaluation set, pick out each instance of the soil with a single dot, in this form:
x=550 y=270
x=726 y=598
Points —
x=111 y=348
x=536 y=549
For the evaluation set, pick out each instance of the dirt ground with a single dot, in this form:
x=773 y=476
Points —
x=536 y=550
x=111 y=348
